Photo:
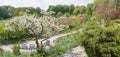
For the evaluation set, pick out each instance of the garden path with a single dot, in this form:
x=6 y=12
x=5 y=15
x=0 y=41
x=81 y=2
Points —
x=77 y=51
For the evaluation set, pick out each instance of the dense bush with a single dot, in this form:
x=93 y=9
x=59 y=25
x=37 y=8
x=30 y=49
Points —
x=16 y=50
x=72 y=23
x=100 y=41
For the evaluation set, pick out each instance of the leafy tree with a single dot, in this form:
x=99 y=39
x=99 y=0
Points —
x=61 y=8
x=71 y=9
x=59 y=14
x=6 y=12
x=114 y=2
x=107 y=11
x=82 y=9
x=9 y=11
x=76 y=11
x=79 y=10
x=38 y=10
x=117 y=3
x=89 y=10
x=28 y=10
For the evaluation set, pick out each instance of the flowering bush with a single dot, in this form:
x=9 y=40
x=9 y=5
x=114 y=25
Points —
x=38 y=27
x=33 y=25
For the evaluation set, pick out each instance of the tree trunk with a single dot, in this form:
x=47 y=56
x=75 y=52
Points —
x=42 y=43
x=36 y=39
x=37 y=43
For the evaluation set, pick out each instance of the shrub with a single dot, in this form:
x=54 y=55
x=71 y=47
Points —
x=62 y=45
x=101 y=41
x=34 y=54
x=1 y=52
x=9 y=54
x=42 y=52
x=74 y=24
x=16 y=50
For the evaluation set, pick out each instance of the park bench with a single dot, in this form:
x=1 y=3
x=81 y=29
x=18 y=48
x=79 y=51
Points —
x=32 y=46
x=24 y=46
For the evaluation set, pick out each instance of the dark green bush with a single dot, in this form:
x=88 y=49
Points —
x=100 y=41
x=16 y=50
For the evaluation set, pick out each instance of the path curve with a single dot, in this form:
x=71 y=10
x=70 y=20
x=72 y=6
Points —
x=9 y=47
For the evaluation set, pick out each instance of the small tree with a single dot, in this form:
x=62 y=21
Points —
x=38 y=27
x=107 y=11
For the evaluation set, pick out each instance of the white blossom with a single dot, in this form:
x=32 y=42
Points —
x=33 y=25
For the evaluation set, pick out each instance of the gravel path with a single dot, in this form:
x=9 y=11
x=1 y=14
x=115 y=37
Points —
x=9 y=47
x=75 y=52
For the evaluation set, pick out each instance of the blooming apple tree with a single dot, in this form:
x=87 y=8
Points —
x=41 y=26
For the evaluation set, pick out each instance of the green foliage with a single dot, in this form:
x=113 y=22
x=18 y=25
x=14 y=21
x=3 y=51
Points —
x=71 y=9
x=34 y=54
x=76 y=11
x=110 y=10
x=74 y=24
x=117 y=3
x=90 y=10
x=7 y=37
x=79 y=10
x=1 y=30
x=65 y=9
x=59 y=14
x=7 y=12
x=42 y=52
x=9 y=54
x=117 y=21
x=61 y=8
x=1 y=52
x=62 y=45
x=16 y=50
x=100 y=41
x=67 y=14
